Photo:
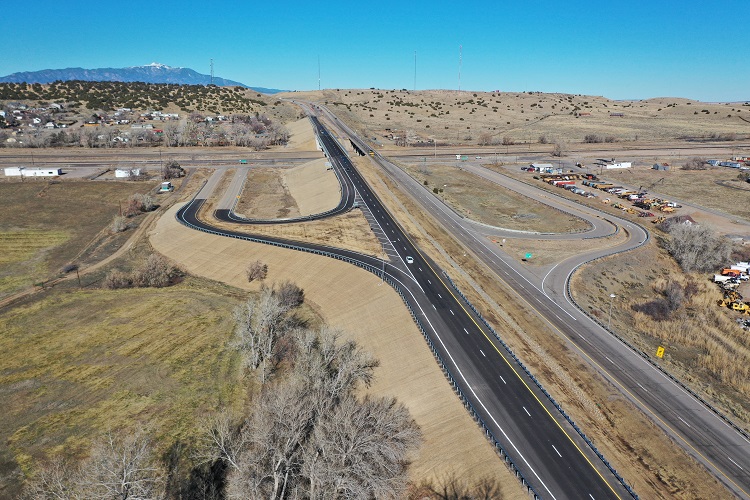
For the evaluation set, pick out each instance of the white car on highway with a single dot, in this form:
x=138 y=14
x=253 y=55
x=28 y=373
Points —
x=409 y=259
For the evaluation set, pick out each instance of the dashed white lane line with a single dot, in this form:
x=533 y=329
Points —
x=467 y=331
x=501 y=378
x=527 y=411
x=558 y=454
x=451 y=310
x=735 y=463
x=483 y=354
x=685 y=422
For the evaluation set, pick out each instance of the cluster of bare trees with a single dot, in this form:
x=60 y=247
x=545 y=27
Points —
x=697 y=247
x=310 y=436
x=155 y=271
x=257 y=132
x=120 y=466
x=256 y=270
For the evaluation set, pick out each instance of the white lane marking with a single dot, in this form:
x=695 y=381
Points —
x=592 y=496
x=639 y=385
x=483 y=354
x=558 y=454
x=430 y=282
x=609 y=360
x=451 y=310
x=685 y=422
x=467 y=331
x=527 y=411
x=735 y=463
x=501 y=378
x=440 y=296
x=433 y=306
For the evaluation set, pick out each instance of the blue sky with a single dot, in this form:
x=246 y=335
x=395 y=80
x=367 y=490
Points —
x=618 y=49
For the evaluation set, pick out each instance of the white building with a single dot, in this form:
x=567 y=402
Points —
x=14 y=171
x=127 y=172
x=41 y=172
x=623 y=164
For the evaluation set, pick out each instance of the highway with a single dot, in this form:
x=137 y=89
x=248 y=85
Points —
x=722 y=447
x=545 y=449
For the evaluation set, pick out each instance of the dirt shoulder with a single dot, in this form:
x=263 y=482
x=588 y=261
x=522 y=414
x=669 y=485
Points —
x=373 y=315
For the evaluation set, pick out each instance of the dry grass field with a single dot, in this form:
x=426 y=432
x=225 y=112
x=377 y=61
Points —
x=484 y=201
x=466 y=117
x=48 y=224
x=79 y=363
x=704 y=345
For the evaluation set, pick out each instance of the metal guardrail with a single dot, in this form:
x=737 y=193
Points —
x=444 y=367
x=541 y=388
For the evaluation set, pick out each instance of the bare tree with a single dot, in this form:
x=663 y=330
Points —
x=257 y=271
x=124 y=467
x=560 y=148
x=290 y=295
x=121 y=466
x=260 y=324
x=697 y=248
x=119 y=224
x=508 y=141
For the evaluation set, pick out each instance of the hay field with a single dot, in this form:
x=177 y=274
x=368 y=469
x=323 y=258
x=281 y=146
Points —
x=47 y=224
x=467 y=117
x=79 y=363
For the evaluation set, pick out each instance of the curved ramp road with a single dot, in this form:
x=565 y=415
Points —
x=545 y=449
x=704 y=433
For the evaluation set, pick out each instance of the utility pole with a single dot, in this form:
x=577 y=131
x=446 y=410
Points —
x=611 y=300
x=318 y=72
x=460 y=58
x=212 y=71
x=415 y=70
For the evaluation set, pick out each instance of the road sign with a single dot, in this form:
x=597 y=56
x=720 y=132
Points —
x=660 y=352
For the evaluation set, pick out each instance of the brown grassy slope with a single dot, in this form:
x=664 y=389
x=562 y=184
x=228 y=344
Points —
x=465 y=117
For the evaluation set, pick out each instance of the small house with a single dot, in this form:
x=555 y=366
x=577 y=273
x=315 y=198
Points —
x=660 y=166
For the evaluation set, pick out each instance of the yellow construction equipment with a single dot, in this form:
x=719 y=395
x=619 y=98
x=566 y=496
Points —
x=741 y=307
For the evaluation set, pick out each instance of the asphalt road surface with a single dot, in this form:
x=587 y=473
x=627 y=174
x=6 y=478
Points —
x=712 y=440
x=546 y=450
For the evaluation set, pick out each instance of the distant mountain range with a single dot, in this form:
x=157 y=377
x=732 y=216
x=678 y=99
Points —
x=151 y=73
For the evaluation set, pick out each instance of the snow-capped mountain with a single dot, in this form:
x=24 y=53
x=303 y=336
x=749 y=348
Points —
x=150 y=73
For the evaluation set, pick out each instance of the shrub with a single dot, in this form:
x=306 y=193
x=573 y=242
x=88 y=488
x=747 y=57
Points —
x=508 y=141
x=695 y=163
x=156 y=271
x=257 y=271
x=290 y=295
x=116 y=279
x=119 y=224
